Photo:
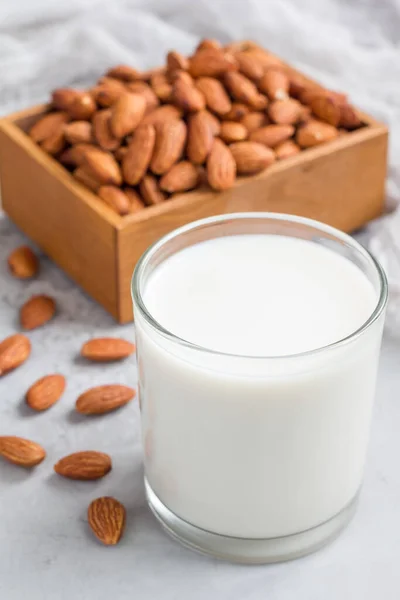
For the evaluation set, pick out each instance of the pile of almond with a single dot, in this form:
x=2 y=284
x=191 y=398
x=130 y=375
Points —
x=136 y=138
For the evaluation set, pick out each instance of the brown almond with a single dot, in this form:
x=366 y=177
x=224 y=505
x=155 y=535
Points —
x=85 y=466
x=45 y=392
x=55 y=143
x=272 y=135
x=213 y=123
x=244 y=90
x=176 y=62
x=37 y=311
x=78 y=131
x=200 y=138
x=14 y=350
x=120 y=153
x=62 y=98
x=74 y=156
x=326 y=108
x=349 y=118
x=104 y=399
x=181 y=76
x=143 y=88
x=23 y=263
x=206 y=44
x=314 y=133
x=265 y=58
x=169 y=145
x=285 y=112
x=162 y=114
x=102 y=166
x=137 y=158
x=107 y=92
x=221 y=166
x=217 y=100
x=87 y=179
x=161 y=86
x=232 y=132
x=106 y=518
x=107 y=349
x=254 y=120
x=115 y=198
x=237 y=112
x=275 y=83
x=250 y=157
x=249 y=66
x=150 y=191
x=82 y=108
x=136 y=203
x=286 y=149
x=126 y=114
x=20 y=451
x=124 y=73
x=211 y=62
x=102 y=130
x=181 y=177
x=47 y=126
x=187 y=97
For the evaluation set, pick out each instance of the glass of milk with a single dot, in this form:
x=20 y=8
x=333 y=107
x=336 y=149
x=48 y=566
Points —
x=258 y=339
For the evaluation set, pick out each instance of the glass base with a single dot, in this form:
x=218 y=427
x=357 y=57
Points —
x=250 y=551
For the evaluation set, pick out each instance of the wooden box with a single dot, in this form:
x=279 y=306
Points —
x=340 y=183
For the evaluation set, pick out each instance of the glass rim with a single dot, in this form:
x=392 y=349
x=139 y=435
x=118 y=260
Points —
x=282 y=217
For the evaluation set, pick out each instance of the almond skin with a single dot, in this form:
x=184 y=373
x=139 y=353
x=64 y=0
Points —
x=85 y=466
x=104 y=399
x=107 y=92
x=200 y=138
x=14 y=350
x=207 y=44
x=254 y=120
x=115 y=198
x=62 y=98
x=82 y=108
x=213 y=123
x=285 y=112
x=37 y=311
x=216 y=98
x=102 y=130
x=187 y=97
x=162 y=114
x=87 y=179
x=286 y=149
x=275 y=83
x=107 y=349
x=161 y=86
x=143 y=88
x=244 y=90
x=136 y=204
x=78 y=131
x=106 y=518
x=314 y=133
x=23 y=263
x=169 y=145
x=55 y=143
x=20 y=451
x=211 y=62
x=74 y=156
x=250 y=67
x=221 y=167
x=46 y=126
x=181 y=177
x=251 y=157
x=272 y=135
x=45 y=392
x=124 y=73
x=176 y=62
x=126 y=114
x=140 y=150
x=232 y=132
x=150 y=191
x=237 y=112
x=102 y=166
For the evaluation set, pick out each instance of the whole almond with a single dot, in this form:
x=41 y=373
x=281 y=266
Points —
x=78 y=131
x=107 y=92
x=45 y=392
x=20 y=451
x=233 y=132
x=143 y=88
x=136 y=203
x=82 y=107
x=137 y=158
x=107 y=349
x=181 y=76
x=74 y=156
x=162 y=114
x=217 y=100
x=176 y=62
x=181 y=177
x=126 y=114
x=115 y=198
x=106 y=518
x=211 y=62
x=237 y=112
x=169 y=145
x=285 y=112
x=200 y=138
x=349 y=118
x=120 y=153
x=254 y=120
x=221 y=166
x=206 y=44
x=48 y=125
x=103 y=166
x=102 y=130
x=62 y=98
x=87 y=179
x=187 y=97
x=326 y=108
x=161 y=86
x=275 y=83
x=37 y=311
x=250 y=157
x=265 y=58
x=286 y=149
x=55 y=143
x=249 y=67
x=272 y=135
x=23 y=262
x=85 y=466
x=213 y=123
x=150 y=191
x=314 y=133
x=124 y=72
x=103 y=399
x=14 y=350
x=244 y=90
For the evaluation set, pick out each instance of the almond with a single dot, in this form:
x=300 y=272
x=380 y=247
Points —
x=150 y=191
x=78 y=131
x=37 y=311
x=102 y=130
x=286 y=150
x=213 y=123
x=46 y=126
x=215 y=95
x=140 y=150
x=106 y=517
x=187 y=97
x=275 y=83
x=142 y=88
x=124 y=72
x=315 y=132
x=232 y=132
x=62 y=98
x=181 y=76
x=120 y=153
x=14 y=350
x=265 y=58
x=200 y=138
x=272 y=135
x=115 y=198
x=85 y=466
x=333 y=109
x=254 y=120
x=237 y=112
x=176 y=62
x=211 y=62
x=221 y=166
x=107 y=349
x=206 y=44
x=162 y=114
x=126 y=114
x=23 y=263
x=244 y=90
x=135 y=202
x=102 y=166
x=180 y=178
x=45 y=392
x=55 y=143
x=74 y=156
x=161 y=86
x=249 y=66
x=285 y=112
x=103 y=399
x=169 y=145
x=20 y=451
x=82 y=107
x=349 y=119
x=107 y=92
x=251 y=157
x=87 y=179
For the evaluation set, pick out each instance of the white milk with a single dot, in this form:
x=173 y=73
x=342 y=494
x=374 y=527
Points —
x=257 y=447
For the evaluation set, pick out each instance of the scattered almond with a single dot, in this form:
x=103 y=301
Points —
x=106 y=517
x=45 y=392
x=14 y=350
x=103 y=399
x=37 y=311
x=23 y=263
x=20 y=451
x=85 y=466
x=107 y=349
